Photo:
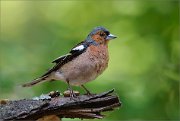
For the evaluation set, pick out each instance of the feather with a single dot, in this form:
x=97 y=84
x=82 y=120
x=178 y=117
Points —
x=75 y=51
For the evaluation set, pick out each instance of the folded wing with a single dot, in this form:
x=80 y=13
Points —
x=60 y=61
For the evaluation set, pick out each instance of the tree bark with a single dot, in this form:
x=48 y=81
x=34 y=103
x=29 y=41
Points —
x=84 y=107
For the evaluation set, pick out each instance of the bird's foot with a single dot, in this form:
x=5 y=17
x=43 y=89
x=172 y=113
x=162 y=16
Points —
x=72 y=94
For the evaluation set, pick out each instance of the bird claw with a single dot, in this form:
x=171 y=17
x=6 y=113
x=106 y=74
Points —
x=72 y=94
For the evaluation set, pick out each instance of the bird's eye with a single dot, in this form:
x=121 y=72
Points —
x=107 y=32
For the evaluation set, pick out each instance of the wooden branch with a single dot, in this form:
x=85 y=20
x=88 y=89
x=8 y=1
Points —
x=84 y=107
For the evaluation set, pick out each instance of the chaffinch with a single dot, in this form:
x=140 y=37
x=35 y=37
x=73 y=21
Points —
x=84 y=63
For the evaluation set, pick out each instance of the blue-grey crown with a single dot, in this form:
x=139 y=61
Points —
x=99 y=28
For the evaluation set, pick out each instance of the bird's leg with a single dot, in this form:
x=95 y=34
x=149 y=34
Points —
x=87 y=91
x=71 y=90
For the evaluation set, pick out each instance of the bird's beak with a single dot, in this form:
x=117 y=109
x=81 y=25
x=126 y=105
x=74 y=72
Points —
x=110 y=36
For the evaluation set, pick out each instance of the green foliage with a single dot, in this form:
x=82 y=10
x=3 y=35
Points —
x=144 y=59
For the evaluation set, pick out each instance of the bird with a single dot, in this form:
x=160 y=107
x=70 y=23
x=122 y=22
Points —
x=85 y=61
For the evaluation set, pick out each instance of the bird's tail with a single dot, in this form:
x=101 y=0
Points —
x=34 y=82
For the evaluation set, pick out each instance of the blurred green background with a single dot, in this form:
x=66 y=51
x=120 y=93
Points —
x=144 y=59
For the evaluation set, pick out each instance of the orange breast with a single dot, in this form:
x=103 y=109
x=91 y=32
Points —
x=99 y=54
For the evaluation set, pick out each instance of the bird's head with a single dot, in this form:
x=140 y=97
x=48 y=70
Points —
x=100 y=35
